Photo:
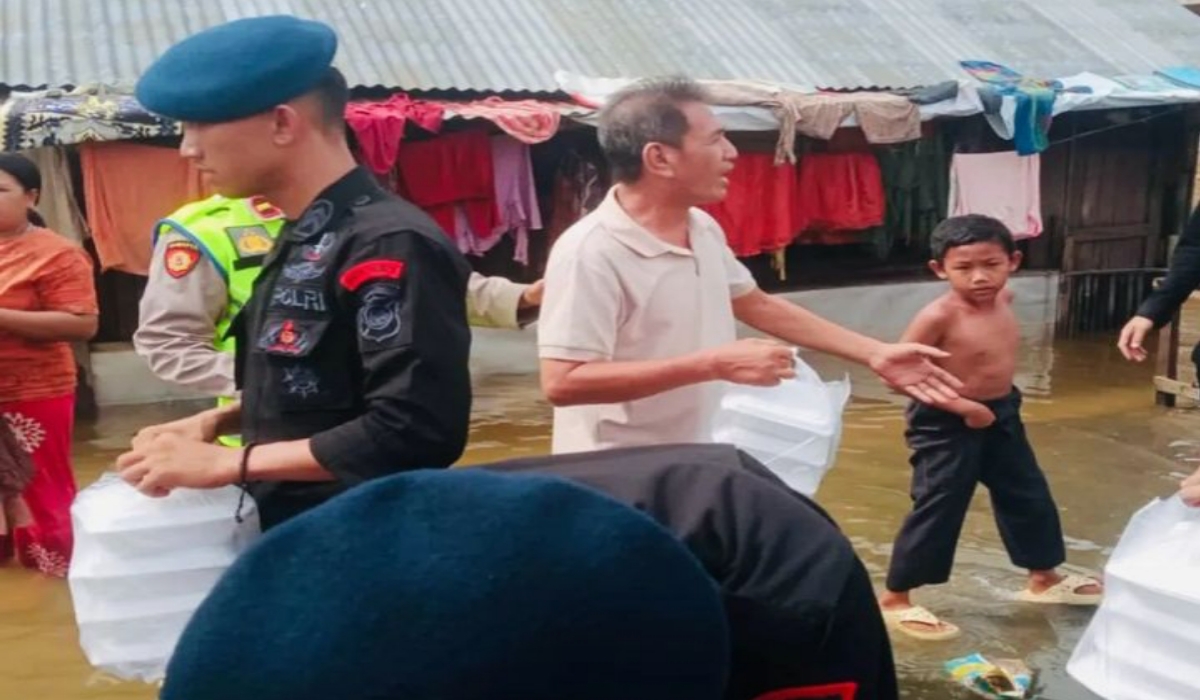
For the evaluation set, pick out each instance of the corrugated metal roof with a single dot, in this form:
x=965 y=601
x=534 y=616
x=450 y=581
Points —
x=517 y=45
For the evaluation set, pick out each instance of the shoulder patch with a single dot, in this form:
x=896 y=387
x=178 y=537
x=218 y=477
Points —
x=250 y=241
x=379 y=316
x=180 y=258
x=371 y=271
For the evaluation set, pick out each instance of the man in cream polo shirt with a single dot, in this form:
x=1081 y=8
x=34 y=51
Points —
x=643 y=293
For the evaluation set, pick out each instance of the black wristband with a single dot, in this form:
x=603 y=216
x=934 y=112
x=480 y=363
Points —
x=243 y=478
x=244 y=467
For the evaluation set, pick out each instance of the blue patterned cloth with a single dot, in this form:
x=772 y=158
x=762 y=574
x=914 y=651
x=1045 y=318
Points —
x=1034 y=97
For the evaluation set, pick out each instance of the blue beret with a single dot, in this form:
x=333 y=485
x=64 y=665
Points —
x=238 y=69
x=459 y=585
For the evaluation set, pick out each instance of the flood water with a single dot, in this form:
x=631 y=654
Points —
x=1106 y=449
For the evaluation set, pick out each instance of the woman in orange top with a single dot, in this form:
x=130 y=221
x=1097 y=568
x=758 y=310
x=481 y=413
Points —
x=47 y=300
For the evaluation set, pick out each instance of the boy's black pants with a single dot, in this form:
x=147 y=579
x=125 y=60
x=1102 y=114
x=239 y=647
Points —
x=948 y=460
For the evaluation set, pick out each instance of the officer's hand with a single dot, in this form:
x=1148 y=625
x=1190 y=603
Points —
x=1133 y=337
x=201 y=427
x=170 y=461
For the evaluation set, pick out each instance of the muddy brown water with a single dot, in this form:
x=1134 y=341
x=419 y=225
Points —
x=1106 y=448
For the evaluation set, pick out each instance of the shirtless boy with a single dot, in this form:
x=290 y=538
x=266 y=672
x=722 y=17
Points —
x=978 y=438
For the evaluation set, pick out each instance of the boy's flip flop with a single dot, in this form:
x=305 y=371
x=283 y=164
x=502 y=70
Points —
x=1065 y=592
x=917 y=622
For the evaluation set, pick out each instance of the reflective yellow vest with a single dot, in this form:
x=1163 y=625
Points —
x=235 y=235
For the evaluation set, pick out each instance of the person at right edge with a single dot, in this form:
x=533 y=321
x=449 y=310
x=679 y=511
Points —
x=1183 y=278
x=977 y=438
x=373 y=380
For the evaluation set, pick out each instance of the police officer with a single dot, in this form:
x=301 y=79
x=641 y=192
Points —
x=352 y=352
x=206 y=257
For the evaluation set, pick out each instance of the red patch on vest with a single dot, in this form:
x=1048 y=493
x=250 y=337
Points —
x=370 y=271
x=265 y=209
x=180 y=258
x=286 y=340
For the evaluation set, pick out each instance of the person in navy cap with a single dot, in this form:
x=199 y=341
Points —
x=353 y=348
x=468 y=585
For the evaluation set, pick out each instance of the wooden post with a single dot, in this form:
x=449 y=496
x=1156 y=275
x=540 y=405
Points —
x=1165 y=392
x=1172 y=378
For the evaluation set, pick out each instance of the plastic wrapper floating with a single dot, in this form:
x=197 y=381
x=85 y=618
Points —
x=1001 y=678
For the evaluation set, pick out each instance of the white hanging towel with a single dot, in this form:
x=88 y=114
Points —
x=1003 y=185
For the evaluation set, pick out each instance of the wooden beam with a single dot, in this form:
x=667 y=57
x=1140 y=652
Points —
x=1175 y=388
x=1110 y=233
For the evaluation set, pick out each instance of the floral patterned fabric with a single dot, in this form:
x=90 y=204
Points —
x=61 y=118
x=42 y=539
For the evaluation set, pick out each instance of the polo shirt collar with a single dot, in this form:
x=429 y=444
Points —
x=632 y=234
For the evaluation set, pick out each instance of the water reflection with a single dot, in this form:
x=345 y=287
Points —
x=1105 y=447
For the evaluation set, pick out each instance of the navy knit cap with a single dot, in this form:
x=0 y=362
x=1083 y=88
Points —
x=459 y=585
x=238 y=69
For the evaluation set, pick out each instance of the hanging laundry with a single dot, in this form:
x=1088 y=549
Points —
x=884 y=118
x=840 y=192
x=60 y=118
x=528 y=121
x=916 y=178
x=876 y=242
x=57 y=204
x=449 y=172
x=1184 y=75
x=379 y=127
x=1004 y=185
x=887 y=118
x=930 y=94
x=783 y=103
x=579 y=187
x=1154 y=83
x=128 y=187
x=516 y=199
x=1029 y=124
x=760 y=210
x=997 y=74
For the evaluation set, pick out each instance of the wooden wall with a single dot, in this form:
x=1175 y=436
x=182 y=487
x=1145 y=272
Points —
x=1115 y=187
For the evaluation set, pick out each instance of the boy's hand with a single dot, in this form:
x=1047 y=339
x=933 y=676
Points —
x=979 y=418
x=909 y=367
